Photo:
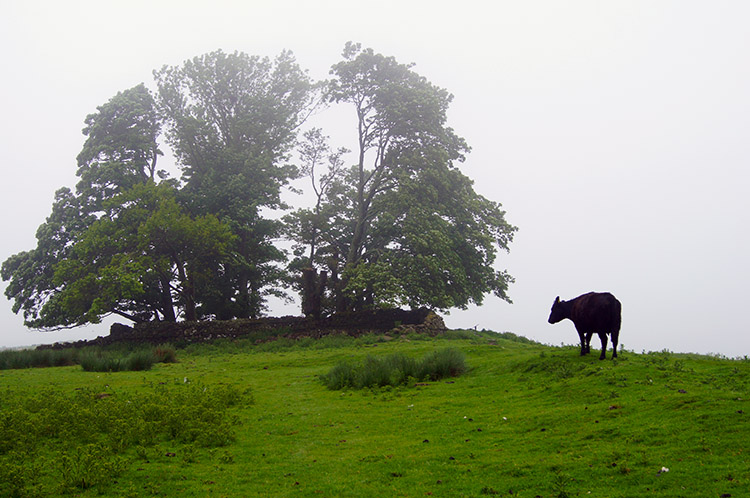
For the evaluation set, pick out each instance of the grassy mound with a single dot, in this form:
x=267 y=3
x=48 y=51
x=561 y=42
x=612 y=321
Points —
x=525 y=420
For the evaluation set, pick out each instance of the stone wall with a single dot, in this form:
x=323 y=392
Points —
x=393 y=321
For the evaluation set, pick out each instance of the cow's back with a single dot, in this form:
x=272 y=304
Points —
x=596 y=312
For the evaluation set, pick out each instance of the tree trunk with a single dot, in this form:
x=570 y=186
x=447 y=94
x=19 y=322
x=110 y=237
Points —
x=243 y=295
x=167 y=306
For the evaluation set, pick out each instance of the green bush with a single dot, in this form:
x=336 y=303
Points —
x=98 y=361
x=165 y=353
x=395 y=370
x=92 y=359
x=139 y=360
x=88 y=465
x=443 y=363
x=36 y=358
x=95 y=361
x=84 y=436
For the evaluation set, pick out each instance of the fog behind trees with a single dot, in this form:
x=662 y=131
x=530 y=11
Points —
x=613 y=135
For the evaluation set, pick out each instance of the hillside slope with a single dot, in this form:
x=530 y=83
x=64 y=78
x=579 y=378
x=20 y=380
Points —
x=527 y=420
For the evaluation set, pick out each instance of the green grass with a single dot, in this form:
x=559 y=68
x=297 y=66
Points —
x=114 y=358
x=396 y=370
x=525 y=420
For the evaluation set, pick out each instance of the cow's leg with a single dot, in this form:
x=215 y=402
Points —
x=584 y=349
x=603 y=338
x=615 y=336
x=588 y=342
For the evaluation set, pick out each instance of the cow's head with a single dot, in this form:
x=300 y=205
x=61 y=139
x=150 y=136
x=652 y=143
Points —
x=558 y=311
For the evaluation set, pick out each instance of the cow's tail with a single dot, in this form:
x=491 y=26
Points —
x=617 y=318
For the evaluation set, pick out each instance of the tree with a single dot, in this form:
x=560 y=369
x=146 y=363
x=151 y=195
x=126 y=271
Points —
x=404 y=225
x=141 y=258
x=307 y=226
x=31 y=273
x=232 y=121
x=121 y=148
x=120 y=151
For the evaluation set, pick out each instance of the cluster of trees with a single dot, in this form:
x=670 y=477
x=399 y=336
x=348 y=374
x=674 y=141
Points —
x=399 y=225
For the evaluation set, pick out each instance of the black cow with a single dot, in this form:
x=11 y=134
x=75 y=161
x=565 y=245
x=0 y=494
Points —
x=591 y=313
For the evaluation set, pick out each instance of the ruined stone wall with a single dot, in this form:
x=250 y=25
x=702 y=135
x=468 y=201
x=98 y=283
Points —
x=393 y=321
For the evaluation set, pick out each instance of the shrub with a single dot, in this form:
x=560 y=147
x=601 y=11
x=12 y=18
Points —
x=443 y=363
x=88 y=465
x=165 y=353
x=33 y=358
x=395 y=370
x=340 y=376
x=93 y=361
x=139 y=360
x=100 y=361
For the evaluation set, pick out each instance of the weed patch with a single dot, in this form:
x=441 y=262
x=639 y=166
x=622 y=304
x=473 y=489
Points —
x=86 y=434
x=396 y=369
x=32 y=358
x=91 y=359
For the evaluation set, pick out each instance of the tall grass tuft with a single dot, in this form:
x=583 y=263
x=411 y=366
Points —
x=443 y=363
x=165 y=353
x=37 y=358
x=92 y=359
x=140 y=360
x=395 y=370
x=97 y=361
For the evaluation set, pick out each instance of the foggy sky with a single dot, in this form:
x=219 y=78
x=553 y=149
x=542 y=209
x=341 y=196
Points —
x=615 y=134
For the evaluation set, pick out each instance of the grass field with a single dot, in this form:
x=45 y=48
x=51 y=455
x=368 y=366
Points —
x=526 y=420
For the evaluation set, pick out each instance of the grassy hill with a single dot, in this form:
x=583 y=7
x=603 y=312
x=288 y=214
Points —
x=239 y=419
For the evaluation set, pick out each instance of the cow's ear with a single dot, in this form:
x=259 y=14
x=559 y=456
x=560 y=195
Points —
x=557 y=299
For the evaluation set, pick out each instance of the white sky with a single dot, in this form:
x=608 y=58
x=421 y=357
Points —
x=616 y=135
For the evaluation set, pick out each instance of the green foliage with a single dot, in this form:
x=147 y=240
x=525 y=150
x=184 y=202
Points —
x=403 y=226
x=560 y=485
x=31 y=358
x=121 y=263
x=395 y=370
x=231 y=121
x=120 y=153
x=92 y=359
x=165 y=353
x=123 y=244
x=86 y=466
x=84 y=438
x=121 y=148
x=31 y=273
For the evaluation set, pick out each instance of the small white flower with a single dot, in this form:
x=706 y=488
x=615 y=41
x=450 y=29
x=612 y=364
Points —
x=185 y=381
x=505 y=418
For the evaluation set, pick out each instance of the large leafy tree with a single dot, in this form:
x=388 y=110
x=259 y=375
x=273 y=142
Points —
x=120 y=151
x=142 y=258
x=31 y=273
x=232 y=121
x=403 y=225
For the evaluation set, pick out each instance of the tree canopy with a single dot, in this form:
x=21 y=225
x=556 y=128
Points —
x=403 y=226
x=399 y=225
